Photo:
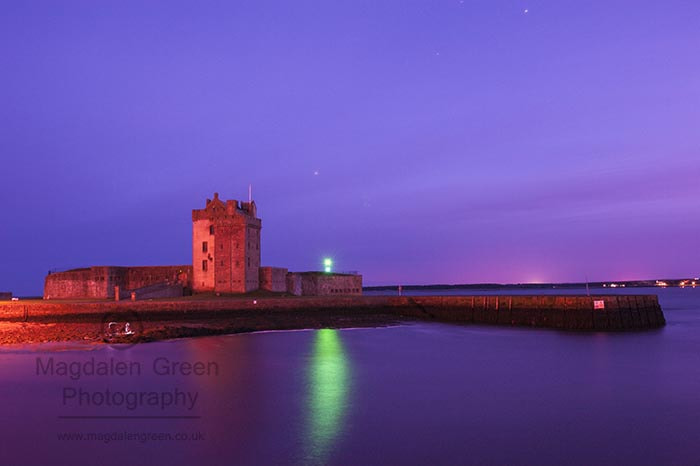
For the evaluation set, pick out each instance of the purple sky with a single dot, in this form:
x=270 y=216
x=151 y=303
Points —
x=453 y=141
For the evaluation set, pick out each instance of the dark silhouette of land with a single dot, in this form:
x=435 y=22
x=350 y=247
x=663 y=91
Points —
x=666 y=282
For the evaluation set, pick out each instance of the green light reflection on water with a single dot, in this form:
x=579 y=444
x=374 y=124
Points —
x=328 y=393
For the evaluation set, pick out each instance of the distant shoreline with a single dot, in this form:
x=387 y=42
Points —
x=665 y=283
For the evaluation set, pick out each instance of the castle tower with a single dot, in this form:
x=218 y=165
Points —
x=225 y=247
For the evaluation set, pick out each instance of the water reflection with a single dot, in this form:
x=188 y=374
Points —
x=330 y=397
x=329 y=387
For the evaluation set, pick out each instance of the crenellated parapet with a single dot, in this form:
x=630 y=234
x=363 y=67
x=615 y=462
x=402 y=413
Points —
x=218 y=210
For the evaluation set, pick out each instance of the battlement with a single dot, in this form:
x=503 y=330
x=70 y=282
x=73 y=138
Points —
x=216 y=209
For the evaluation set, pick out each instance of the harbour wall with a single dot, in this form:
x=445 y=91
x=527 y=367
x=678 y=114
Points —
x=599 y=313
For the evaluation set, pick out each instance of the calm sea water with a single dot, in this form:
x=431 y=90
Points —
x=413 y=394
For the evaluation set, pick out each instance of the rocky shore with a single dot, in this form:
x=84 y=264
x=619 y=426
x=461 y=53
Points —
x=150 y=328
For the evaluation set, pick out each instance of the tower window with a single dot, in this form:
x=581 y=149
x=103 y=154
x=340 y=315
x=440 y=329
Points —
x=205 y=246
x=211 y=229
x=205 y=265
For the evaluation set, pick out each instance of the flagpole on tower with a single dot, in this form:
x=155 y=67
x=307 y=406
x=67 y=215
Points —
x=250 y=193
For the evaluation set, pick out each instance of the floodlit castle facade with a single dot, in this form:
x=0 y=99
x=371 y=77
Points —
x=226 y=247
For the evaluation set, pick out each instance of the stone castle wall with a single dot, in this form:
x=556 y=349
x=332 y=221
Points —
x=78 y=283
x=293 y=283
x=202 y=257
x=99 y=282
x=330 y=284
x=273 y=279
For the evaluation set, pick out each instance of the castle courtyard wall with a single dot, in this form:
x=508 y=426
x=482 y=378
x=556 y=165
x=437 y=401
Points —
x=330 y=284
x=294 y=283
x=273 y=279
x=100 y=281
